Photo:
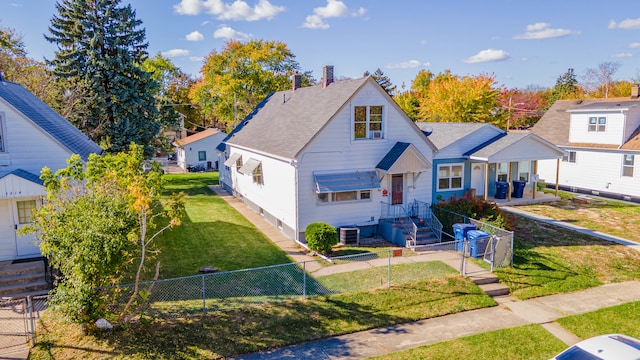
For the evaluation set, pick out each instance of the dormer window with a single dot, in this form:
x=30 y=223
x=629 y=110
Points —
x=367 y=122
x=597 y=124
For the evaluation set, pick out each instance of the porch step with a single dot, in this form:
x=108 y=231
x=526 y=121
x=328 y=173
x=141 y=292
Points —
x=22 y=279
x=494 y=289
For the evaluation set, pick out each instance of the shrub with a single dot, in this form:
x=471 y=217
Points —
x=448 y=212
x=321 y=237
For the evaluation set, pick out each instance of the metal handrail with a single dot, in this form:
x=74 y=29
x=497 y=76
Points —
x=423 y=211
x=399 y=213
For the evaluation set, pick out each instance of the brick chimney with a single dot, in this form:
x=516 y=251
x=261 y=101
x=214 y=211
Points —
x=634 y=91
x=327 y=75
x=296 y=81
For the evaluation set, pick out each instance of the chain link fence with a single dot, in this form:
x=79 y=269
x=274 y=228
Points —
x=18 y=319
x=197 y=294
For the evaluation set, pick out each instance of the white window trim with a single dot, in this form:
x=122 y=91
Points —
x=331 y=195
x=597 y=124
x=369 y=134
x=567 y=158
x=632 y=166
x=498 y=173
x=450 y=166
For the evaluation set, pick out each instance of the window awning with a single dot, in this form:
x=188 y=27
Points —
x=249 y=167
x=351 y=181
x=231 y=161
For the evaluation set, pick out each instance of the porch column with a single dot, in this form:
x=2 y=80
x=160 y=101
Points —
x=557 y=175
x=509 y=181
x=535 y=183
x=486 y=181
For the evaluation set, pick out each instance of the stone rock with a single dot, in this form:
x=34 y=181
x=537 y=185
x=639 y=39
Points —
x=208 y=269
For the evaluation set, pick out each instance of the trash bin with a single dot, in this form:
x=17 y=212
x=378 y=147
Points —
x=460 y=231
x=502 y=188
x=478 y=240
x=518 y=188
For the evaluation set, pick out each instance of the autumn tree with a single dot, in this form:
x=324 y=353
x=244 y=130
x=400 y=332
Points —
x=601 y=78
x=238 y=77
x=451 y=98
x=97 y=219
x=100 y=49
x=524 y=107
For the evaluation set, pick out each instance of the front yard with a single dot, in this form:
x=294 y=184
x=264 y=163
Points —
x=547 y=259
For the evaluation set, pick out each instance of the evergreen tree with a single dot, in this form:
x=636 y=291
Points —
x=566 y=87
x=383 y=80
x=100 y=49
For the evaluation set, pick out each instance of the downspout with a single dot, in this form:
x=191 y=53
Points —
x=535 y=183
x=509 y=183
x=486 y=181
x=557 y=175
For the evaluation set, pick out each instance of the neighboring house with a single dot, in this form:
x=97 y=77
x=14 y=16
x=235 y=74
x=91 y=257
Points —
x=602 y=142
x=471 y=158
x=339 y=152
x=32 y=136
x=199 y=149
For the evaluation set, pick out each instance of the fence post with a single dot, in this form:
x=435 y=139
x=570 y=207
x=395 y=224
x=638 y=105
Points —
x=304 y=280
x=463 y=262
x=204 y=297
x=389 y=269
x=32 y=330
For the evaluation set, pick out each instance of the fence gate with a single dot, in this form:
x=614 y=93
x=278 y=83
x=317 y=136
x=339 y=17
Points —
x=17 y=323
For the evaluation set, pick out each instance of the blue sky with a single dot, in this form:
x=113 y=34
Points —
x=521 y=42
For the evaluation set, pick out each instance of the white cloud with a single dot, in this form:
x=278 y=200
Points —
x=634 y=45
x=627 y=24
x=543 y=30
x=238 y=10
x=334 y=8
x=196 y=58
x=226 y=32
x=488 y=55
x=175 y=53
x=194 y=36
x=621 y=55
x=411 y=64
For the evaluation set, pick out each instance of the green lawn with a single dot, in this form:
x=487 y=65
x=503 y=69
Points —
x=213 y=233
x=530 y=341
x=550 y=260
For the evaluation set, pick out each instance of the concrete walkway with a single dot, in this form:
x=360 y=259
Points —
x=510 y=312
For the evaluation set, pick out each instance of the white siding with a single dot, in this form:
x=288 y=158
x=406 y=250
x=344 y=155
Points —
x=596 y=170
x=188 y=155
x=333 y=149
x=28 y=147
x=277 y=193
x=632 y=122
x=578 y=130
x=12 y=186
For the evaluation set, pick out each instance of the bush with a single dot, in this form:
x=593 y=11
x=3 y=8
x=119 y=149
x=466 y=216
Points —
x=449 y=212
x=321 y=237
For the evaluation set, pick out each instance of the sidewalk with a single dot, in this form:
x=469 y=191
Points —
x=510 y=312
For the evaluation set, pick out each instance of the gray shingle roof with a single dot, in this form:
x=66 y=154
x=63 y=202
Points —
x=392 y=156
x=554 y=124
x=48 y=120
x=447 y=133
x=286 y=121
x=25 y=175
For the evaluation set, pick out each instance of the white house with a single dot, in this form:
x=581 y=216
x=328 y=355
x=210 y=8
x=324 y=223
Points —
x=338 y=152
x=32 y=135
x=602 y=143
x=199 y=149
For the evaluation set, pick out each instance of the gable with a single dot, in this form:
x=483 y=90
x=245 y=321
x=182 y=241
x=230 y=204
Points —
x=518 y=147
x=20 y=183
x=44 y=117
x=403 y=158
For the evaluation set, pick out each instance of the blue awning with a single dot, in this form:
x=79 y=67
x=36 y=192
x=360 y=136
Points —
x=351 y=181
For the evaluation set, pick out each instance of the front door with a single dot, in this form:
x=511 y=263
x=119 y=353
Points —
x=397 y=187
x=23 y=215
x=7 y=231
x=477 y=178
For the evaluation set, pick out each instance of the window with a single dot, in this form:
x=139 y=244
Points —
x=341 y=196
x=627 y=165
x=597 y=124
x=502 y=172
x=367 y=122
x=202 y=155
x=570 y=158
x=523 y=170
x=25 y=211
x=450 y=177
x=257 y=175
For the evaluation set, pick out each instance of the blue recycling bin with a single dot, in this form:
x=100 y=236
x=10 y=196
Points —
x=460 y=231
x=478 y=240
x=518 y=188
x=502 y=189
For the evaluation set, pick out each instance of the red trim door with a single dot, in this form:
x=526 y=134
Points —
x=397 y=187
